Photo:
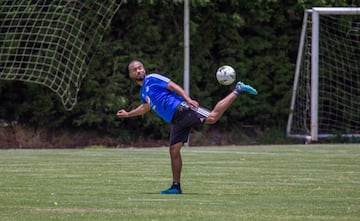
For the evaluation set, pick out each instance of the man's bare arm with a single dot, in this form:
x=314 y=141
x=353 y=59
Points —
x=140 y=110
x=180 y=91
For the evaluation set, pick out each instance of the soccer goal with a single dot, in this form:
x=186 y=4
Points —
x=326 y=90
x=51 y=42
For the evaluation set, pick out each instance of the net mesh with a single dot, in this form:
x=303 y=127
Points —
x=51 y=42
x=339 y=78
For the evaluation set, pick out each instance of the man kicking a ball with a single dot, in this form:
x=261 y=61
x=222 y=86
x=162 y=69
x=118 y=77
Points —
x=173 y=105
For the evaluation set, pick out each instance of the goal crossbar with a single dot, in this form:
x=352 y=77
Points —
x=334 y=11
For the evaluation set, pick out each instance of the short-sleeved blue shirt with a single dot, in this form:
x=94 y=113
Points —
x=155 y=93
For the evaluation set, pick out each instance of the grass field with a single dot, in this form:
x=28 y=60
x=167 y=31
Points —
x=287 y=182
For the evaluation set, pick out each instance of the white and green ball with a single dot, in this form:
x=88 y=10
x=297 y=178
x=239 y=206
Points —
x=225 y=75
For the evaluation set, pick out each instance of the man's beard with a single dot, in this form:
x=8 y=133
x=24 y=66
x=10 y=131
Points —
x=140 y=78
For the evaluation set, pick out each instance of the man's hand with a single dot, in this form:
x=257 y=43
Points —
x=193 y=103
x=122 y=113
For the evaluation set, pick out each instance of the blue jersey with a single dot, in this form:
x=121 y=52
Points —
x=155 y=93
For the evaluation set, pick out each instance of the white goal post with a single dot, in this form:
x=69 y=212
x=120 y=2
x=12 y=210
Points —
x=326 y=89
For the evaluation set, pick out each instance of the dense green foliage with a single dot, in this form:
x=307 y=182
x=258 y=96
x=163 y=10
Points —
x=258 y=38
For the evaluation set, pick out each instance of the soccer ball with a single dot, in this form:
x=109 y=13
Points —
x=225 y=75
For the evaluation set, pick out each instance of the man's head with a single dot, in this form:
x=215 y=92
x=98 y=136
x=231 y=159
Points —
x=137 y=71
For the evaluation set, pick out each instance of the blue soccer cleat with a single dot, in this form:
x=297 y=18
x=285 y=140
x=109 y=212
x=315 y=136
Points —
x=241 y=88
x=171 y=190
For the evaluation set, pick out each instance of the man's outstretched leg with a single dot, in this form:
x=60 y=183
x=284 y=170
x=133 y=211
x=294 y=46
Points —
x=176 y=166
x=224 y=104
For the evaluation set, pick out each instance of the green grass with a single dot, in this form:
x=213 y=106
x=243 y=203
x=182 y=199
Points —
x=287 y=182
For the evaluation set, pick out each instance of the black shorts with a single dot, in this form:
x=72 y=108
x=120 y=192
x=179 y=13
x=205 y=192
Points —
x=186 y=117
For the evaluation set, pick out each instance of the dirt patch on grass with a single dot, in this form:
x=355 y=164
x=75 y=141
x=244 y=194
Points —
x=20 y=136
